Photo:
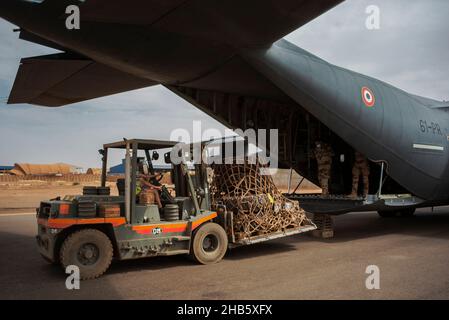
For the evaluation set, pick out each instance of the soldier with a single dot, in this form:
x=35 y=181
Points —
x=323 y=154
x=147 y=190
x=361 y=167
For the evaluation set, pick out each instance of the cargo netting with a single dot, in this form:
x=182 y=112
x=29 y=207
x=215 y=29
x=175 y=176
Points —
x=258 y=206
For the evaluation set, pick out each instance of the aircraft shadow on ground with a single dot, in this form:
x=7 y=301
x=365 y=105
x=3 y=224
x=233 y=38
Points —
x=365 y=225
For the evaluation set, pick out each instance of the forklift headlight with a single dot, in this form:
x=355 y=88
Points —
x=53 y=230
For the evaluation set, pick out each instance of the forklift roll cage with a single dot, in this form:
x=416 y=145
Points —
x=131 y=148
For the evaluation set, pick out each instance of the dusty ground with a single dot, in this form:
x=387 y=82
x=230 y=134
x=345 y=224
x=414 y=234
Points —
x=411 y=253
x=25 y=196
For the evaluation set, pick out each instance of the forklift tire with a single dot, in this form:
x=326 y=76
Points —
x=90 y=250
x=210 y=243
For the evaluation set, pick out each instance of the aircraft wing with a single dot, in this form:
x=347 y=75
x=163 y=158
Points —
x=60 y=79
x=31 y=37
x=199 y=38
x=237 y=22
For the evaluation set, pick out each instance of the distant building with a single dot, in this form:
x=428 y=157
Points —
x=93 y=171
x=118 y=169
x=22 y=169
x=6 y=169
x=75 y=168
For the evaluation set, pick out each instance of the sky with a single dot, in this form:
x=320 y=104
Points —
x=409 y=50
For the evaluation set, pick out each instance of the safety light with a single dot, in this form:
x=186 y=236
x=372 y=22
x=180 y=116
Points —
x=64 y=209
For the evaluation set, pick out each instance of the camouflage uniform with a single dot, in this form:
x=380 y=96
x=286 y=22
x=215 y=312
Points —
x=323 y=154
x=361 y=167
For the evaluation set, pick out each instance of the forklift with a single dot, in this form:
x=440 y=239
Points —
x=92 y=229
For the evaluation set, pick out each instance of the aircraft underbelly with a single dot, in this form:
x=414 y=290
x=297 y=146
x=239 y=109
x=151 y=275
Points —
x=337 y=205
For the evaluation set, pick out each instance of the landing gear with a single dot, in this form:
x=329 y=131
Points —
x=393 y=213
x=210 y=243
x=406 y=213
x=324 y=226
x=88 y=249
x=386 y=214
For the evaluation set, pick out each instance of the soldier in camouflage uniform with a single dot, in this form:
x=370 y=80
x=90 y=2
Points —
x=360 y=168
x=323 y=154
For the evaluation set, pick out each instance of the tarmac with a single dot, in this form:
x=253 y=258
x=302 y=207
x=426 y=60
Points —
x=412 y=255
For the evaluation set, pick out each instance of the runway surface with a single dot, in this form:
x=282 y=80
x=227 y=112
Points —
x=411 y=253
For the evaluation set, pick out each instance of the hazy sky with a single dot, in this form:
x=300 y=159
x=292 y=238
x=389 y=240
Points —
x=409 y=51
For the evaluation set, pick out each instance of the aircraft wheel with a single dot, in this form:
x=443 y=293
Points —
x=387 y=214
x=90 y=250
x=210 y=243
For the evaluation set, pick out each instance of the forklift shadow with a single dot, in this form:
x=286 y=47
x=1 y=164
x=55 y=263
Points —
x=150 y=263
x=260 y=249
x=19 y=255
x=362 y=225
x=176 y=261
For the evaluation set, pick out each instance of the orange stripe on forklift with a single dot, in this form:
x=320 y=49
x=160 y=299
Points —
x=115 y=221
x=164 y=230
x=90 y=221
x=64 y=223
x=175 y=227
x=197 y=223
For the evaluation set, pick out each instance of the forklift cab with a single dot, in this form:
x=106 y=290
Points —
x=136 y=211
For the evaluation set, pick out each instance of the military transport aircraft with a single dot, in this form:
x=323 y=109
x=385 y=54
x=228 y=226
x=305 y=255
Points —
x=227 y=58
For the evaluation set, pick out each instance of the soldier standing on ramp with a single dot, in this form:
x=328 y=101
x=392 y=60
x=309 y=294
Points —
x=323 y=154
x=361 y=167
